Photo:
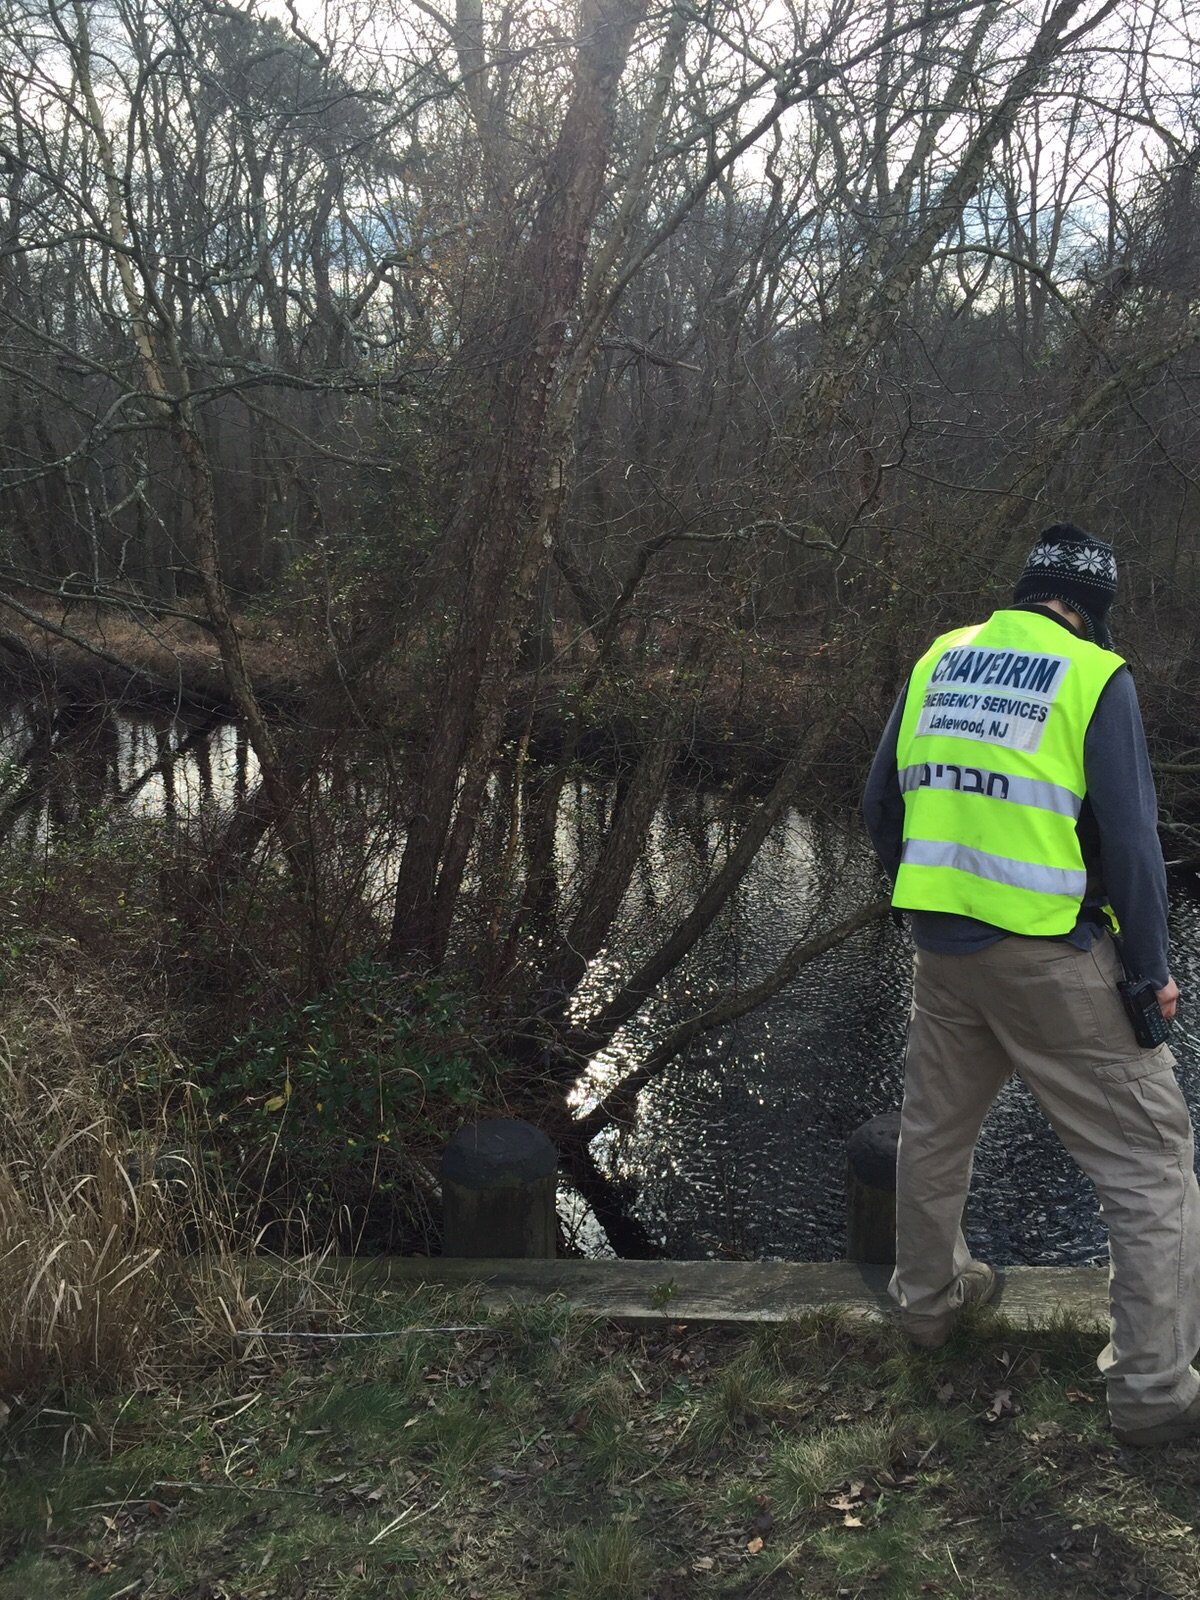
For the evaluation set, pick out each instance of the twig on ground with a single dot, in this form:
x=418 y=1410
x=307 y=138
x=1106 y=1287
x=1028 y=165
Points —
x=385 y=1333
x=194 y=1488
x=671 y=1448
x=403 y=1517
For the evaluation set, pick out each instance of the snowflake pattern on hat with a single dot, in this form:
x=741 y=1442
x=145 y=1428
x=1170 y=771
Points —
x=1046 y=555
x=1085 y=560
x=1095 y=559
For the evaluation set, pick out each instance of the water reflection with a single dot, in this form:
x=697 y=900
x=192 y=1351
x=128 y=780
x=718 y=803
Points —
x=738 y=1148
x=62 y=762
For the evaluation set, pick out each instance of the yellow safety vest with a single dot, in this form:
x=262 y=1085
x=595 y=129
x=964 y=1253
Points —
x=990 y=758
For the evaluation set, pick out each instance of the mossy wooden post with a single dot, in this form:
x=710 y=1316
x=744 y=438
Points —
x=871 y=1190
x=499 y=1181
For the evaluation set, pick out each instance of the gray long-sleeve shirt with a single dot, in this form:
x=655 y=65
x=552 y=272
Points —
x=1118 y=834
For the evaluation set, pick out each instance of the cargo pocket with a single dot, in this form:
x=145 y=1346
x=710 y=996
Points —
x=1145 y=1100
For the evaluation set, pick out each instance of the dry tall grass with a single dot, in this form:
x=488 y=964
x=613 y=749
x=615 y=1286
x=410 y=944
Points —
x=81 y=1270
x=90 y=1283
x=84 y=1280
x=117 y=1265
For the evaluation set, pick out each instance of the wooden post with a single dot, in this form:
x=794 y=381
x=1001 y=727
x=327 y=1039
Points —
x=871 y=1190
x=499 y=1191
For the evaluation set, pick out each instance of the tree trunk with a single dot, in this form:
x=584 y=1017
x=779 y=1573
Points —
x=506 y=490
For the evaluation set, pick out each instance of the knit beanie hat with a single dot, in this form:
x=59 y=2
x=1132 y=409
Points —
x=1075 y=567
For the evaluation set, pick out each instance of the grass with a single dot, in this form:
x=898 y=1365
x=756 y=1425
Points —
x=537 y=1453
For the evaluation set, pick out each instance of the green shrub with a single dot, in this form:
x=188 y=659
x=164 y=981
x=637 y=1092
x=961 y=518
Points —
x=374 y=1055
x=322 y=1105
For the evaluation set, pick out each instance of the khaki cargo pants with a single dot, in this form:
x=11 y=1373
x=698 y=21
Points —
x=1051 y=1013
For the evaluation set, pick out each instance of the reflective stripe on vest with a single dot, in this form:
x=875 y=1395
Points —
x=990 y=765
x=997 y=869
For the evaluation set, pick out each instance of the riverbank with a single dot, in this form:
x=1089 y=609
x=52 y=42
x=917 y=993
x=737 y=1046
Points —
x=754 y=707
x=142 y=657
x=756 y=704
x=542 y=1455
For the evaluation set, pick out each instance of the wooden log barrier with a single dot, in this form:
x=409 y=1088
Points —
x=871 y=1190
x=498 y=1191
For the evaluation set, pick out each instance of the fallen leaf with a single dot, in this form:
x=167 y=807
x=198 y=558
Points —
x=1044 y=1431
x=703 y=1564
x=754 y=1546
x=945 y=1393
x=1077 y=1395
x=1001 y=1404
x=851 y=1522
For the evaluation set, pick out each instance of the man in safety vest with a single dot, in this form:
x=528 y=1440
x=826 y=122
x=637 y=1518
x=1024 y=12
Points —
x=1011 y=800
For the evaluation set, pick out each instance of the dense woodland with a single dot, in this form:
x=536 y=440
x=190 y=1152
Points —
x=498 y=390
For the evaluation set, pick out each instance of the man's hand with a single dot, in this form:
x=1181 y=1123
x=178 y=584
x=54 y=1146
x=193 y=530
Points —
x=1168 y=997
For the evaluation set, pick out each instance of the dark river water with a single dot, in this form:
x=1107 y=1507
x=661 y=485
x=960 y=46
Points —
x=739 y=1147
